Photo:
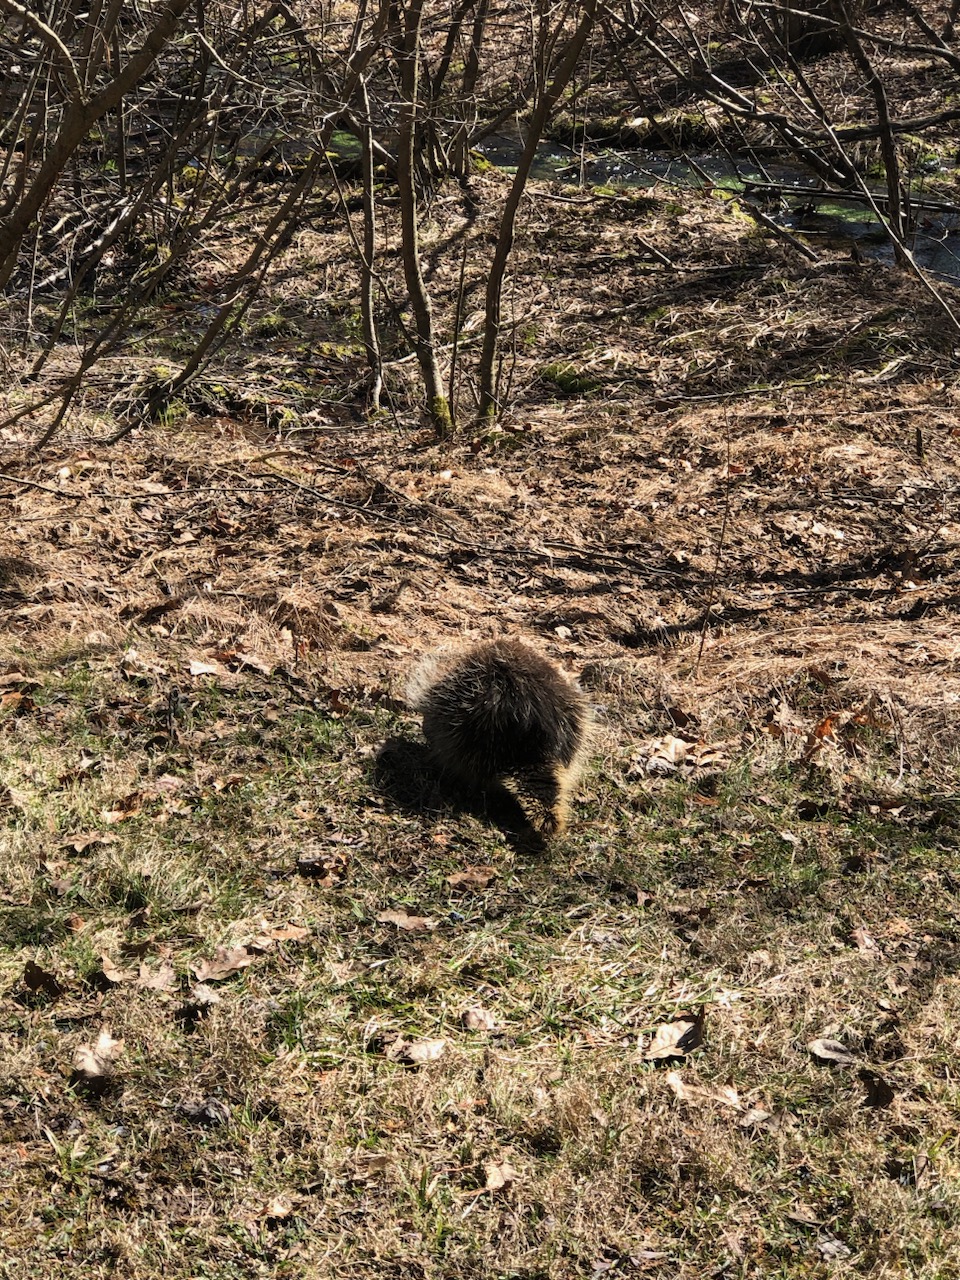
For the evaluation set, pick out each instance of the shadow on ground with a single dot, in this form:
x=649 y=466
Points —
x=407 y=776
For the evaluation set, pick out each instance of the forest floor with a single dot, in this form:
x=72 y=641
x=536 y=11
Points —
x=273 y=1001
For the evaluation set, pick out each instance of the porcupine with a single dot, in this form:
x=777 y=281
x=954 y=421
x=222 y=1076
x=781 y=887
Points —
x=500 y=712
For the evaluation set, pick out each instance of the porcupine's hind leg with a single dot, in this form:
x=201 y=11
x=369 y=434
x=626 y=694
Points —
x=544 y=794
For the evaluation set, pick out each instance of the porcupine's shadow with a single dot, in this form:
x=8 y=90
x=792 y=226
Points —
x=407 y=775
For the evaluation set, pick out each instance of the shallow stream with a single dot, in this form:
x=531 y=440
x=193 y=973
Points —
x=788 y=195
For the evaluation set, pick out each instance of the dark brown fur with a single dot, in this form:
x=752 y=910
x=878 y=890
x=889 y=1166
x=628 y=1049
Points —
x=501 y=711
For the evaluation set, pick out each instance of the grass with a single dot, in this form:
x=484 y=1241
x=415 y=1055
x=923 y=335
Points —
x=328 y=1158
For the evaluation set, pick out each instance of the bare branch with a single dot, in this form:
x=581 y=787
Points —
x=53 y=41
x=76 y=125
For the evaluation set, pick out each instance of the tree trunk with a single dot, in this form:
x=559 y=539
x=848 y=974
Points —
x=547 y=100
x=438 y=407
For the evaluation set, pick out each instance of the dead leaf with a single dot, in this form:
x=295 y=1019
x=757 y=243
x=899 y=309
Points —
x=710 y=757
x=112 y=971
x=833 y=1250
x=498 y=1174
x=803 y=1216
x=210 y=1111
x=94 y=1064
x=699 y=1095
x=165 y=978
x=129 y=807
x=198 y=668
x=392 y=1049
x=40 y=981
x=85 y=768
x=198 y=1004
x=422 y=1051
x=826 y=1050
x=822 y=677
x=167 y=783
x=863 y=941
x=472 y=877
x=478 y=1019
x=415 y=1052
x=82 y=840
x=19 y=678
x=227 y=782
x=270 y=935
x=756 y=1118
x=774 y=723
x=675 y=1039
x=225 y=963
x=281 y=933
x=369 y=1166
x=13 y=700
x=255 y=663
x=413 y=924
x=328 y=869
x=665 y=755
x=279 y=1207
x=202 y=997
x=818 y=735
x=879 y=1094
x=136 y=664
x=867 y=716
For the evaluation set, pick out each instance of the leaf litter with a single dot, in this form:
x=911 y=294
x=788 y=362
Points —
x=832 y=1052
x=225 y=962
x=163 y=978
x=675 y=1039
x=415 y=1053
x=408 y=923
x=477 y=1018
x=94 y=1065
x=498 y=1175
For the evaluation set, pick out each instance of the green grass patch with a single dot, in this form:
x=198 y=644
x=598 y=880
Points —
x=276 y=1126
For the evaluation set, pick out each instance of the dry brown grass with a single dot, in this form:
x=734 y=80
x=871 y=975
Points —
x=793 y=886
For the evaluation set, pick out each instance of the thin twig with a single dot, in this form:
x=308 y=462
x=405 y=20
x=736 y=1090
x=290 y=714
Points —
x=716 y=562
x=780 y=232
x=35 y=484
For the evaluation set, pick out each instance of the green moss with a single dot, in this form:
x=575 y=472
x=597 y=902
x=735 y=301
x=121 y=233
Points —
x=568 y=380
x=272 y=325
x=172 y=414
x=440 y=416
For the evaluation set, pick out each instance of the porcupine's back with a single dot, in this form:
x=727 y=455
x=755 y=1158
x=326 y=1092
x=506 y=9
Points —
x=499 y=710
